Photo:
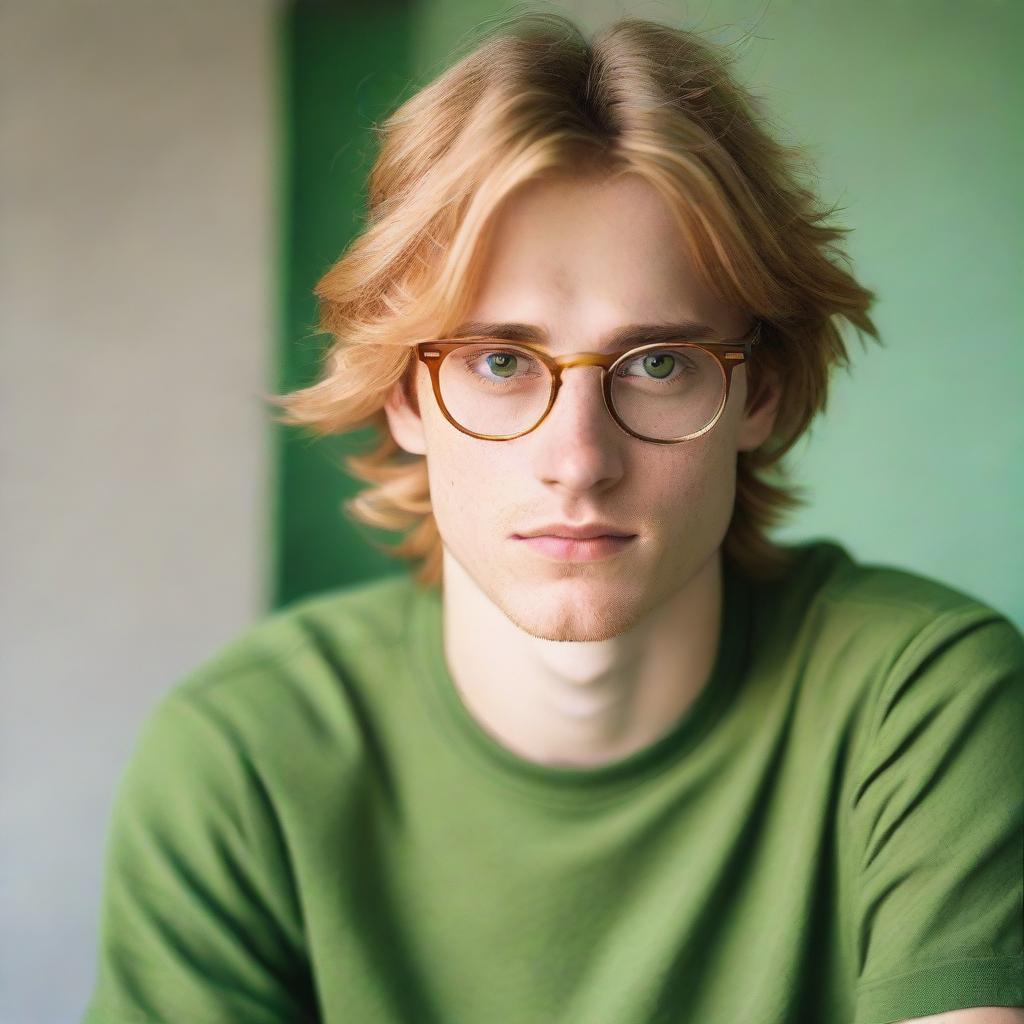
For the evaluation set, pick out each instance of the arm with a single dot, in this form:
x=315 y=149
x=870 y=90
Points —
x=936 y=821
x=199 y=920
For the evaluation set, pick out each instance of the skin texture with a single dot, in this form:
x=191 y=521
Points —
x=579 y=664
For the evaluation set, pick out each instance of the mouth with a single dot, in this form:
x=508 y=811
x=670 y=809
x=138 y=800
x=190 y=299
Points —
x=577 y=549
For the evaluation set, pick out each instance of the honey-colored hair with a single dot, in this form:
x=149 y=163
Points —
x=537 y=97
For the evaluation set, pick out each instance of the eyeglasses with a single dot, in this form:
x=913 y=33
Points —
x=663 y=393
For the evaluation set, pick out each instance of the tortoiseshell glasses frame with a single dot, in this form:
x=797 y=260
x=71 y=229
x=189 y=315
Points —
x=729 y=354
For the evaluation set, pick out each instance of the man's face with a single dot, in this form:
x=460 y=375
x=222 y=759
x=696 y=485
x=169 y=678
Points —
x=579 y=259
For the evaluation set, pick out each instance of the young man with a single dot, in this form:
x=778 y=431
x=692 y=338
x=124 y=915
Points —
x=625 y=778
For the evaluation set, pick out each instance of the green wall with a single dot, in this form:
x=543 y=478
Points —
x=341 y=68
x=913 y=113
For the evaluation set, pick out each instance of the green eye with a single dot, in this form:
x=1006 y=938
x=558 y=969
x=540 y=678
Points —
x=659 y=365
x=501 y=363
x=655 y=366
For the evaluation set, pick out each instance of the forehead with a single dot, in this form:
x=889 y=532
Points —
x=565 y=239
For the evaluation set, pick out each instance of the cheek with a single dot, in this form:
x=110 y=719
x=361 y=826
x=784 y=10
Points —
x=698 y=486
x=455 y=471
x=687 y=473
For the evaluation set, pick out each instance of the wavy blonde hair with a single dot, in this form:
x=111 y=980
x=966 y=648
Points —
x=536 y=97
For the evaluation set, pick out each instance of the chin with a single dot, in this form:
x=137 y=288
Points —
x=572 y=610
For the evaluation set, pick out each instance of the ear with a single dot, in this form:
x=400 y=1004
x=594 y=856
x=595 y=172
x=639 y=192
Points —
x=759 y=414
x=402 y=410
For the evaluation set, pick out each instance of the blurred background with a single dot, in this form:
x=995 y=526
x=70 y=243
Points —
x=175 y=177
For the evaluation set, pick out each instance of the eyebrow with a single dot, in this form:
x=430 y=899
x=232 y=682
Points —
x=622 y=338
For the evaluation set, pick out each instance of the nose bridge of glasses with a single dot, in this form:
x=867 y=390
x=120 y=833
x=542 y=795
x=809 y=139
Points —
x=567 y=362
x=585 y=359
x=590 y=361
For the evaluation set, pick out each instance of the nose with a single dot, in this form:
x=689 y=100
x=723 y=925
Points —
x=577 y=445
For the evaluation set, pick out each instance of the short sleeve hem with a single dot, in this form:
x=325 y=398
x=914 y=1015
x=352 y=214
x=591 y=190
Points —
x=953 y=985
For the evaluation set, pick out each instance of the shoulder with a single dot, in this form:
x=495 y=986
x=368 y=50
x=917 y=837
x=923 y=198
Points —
x=283 y=696
x=276 y=654
x=332 y=621
x=846 y=599
x=856 y=638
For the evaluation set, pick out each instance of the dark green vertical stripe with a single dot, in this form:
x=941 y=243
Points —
x=342 y=67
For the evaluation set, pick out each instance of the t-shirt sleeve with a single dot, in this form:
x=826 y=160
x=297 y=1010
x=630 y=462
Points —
x=938 y=826
x=199 y=919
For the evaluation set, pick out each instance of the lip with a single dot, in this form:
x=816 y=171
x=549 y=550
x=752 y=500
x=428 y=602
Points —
x=584 y=532
x=572 y=549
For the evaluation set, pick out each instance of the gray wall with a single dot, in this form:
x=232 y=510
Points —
x=136 y=321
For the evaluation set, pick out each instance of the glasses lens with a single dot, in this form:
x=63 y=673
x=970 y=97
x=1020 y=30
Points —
x=668 y=392
x=495 y=391
x=663 y=393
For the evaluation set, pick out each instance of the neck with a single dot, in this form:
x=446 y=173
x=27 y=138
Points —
x=581 y=704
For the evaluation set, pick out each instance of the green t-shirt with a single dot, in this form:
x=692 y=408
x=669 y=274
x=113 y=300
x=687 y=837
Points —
x=312 y=827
